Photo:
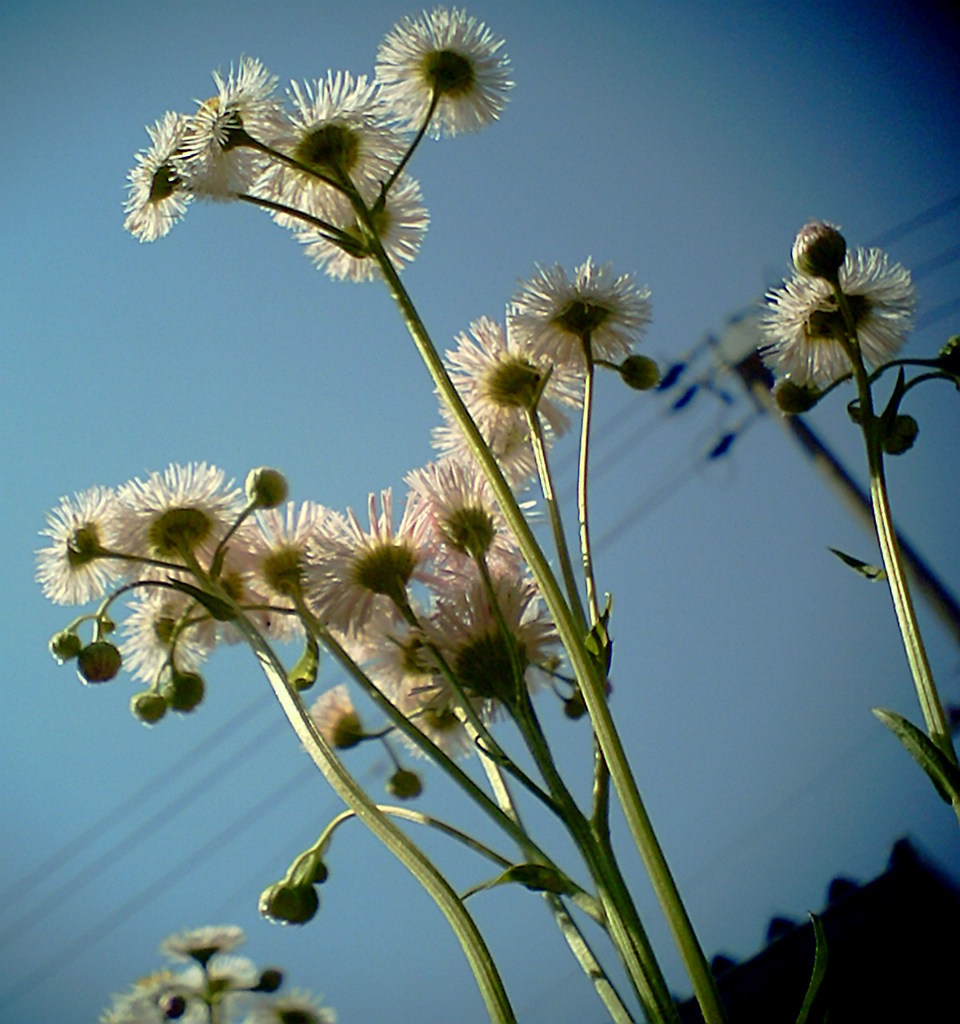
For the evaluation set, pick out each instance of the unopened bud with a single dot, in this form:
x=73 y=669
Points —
x=404 y=785
x=289 y=904
x=98 y=662
x=270 y=980
x=901 y=434
x=639 y=372
x=65 y=646
x=794 y=399
x=266 y=488
x=819 y=250
x=173 y=1006
x=574 y=707
x=148 y=707
x=182 y=691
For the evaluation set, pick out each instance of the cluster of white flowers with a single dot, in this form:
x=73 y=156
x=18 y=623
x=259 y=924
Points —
x=342 y=140
x=213 y=977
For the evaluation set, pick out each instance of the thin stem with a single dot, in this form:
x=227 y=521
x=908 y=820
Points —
x=584 y=462
x=592 y=683
x=933 y=714
x=553 y=510
x=418 y=138
x=451 y=906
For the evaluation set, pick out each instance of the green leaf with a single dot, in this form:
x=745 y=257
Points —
x=304 y=673
x=874 y=573
x=536 y=877
x=220 y=610
x=819 y=972
x=944 y=774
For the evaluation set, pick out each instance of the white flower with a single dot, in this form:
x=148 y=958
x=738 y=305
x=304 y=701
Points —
x=296 y=1007
x=356 y=574
x=340 y=130
x=460 y=509
x=156 y=198
x=401 y=221
x=552 y=315
x=145 y=1002
x=180 y=514
x=803 y=324
x=223 y=972
x=450 y=57
x=467 y=627
x=71 y=569
x=165 y=625
x=215 y=159
x=498 y=380
x=202 y=943
x=336 y=718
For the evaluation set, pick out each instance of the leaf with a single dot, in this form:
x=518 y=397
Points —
x=304 y=673
x=819 y=972
x=944 y=774
x=536 y=877
x=874 y=573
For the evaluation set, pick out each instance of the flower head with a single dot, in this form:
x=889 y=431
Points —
x=72 y=569
x=400 y=221
x=804 y=325
x=165 y=630
x=553 y=317
x=334 y=715
x=295 y=1007
x=200 y=944
x=177 y=515
x=447 y=61
x=215 y=158
x=156 y=197
x=355 y=574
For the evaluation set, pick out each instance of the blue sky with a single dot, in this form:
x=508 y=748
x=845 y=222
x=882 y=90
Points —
x=683 y=142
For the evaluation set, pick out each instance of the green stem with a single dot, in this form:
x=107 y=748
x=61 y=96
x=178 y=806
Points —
x=343 y=783
x=586 y=417
x=934 y=717
x=592 y=683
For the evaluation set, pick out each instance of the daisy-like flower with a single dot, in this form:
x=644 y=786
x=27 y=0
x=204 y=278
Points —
x=150 y=998
x=339 y=130
x=281 y=543
x=296 y=1007
x=199 y=944
x=72 y=568
x=223 y=972
x=177 y=515
x=215 y=158
x=165 y=625
x=552 y=315
x=448 y=61
x=460 y=509
x=471 y=640
x=804 y=326
x=334 y=715
x=499 y=380
x=401 y=221
x=355 y=574
x=156 y=197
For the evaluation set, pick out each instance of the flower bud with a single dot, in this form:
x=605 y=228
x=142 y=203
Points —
x=148 y=707
x=266 y=488
x=173 y=1006
x=900 y=435
x=98 y=662
x=404 y=785
x=270 y=980
x=949 y=356
x=574 y=707
x=65 y=646
x=182 y=691
x=640 y=373
x=819 y=250
x=289 y=904
x=794 y=399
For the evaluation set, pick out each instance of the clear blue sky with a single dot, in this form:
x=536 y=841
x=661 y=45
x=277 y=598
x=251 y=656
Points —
x=685 y=142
